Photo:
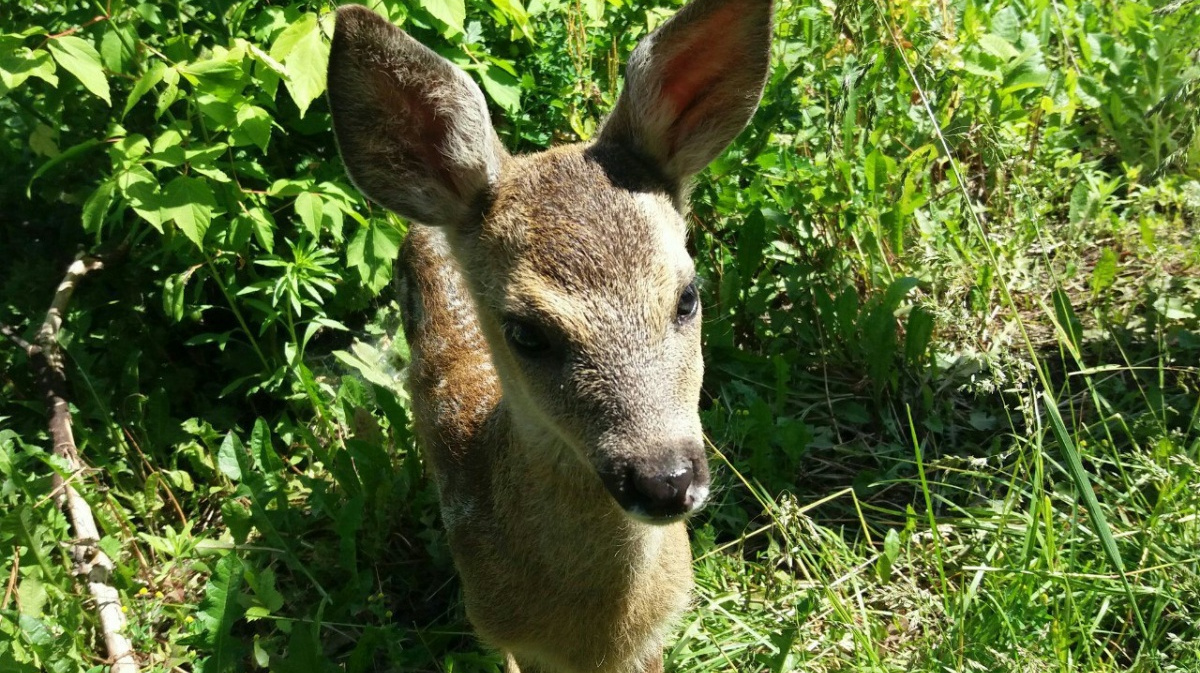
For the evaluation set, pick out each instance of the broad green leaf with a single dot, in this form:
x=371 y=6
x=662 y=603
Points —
x=229 y=460
x=998 y=47
x=189 y=203
x=81 y=59
x=371 y=252
x=450 y=12
x=501 y=87
x=594 y=9
x=141 y=190
x=218 y=612
x=173 y=295
x=515 y=12
x=263 y=226
x=918 y=332
x=253 y=127
x=116 y=49
x=167 y=149
x=310 y=211
x=21 y=63
x=304 y=54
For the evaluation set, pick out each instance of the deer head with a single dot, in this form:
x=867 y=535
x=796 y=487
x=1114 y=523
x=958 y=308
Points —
x=576 y=257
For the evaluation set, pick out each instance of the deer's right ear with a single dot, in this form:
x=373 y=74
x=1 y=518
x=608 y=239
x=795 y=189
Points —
x=412 y=128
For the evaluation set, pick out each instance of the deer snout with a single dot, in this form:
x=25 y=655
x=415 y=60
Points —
x=662 y=490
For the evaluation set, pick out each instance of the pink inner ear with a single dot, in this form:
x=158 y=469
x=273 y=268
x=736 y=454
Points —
x=702 y=59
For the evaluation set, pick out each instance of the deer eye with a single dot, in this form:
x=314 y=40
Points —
x=526 y=338
x=688 y=302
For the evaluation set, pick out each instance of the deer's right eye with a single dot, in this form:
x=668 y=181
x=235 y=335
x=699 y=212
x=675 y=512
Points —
x=526 y=338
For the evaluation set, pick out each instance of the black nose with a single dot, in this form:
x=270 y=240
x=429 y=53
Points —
x=663 y=494
x=660 y=491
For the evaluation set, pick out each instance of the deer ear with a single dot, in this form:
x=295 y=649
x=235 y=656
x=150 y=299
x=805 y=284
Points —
x=693 y=84
x=412 y=128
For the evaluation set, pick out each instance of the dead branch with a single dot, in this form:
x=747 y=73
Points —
x=45 y=358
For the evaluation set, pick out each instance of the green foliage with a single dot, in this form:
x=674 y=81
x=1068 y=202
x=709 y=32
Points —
x=951 y=335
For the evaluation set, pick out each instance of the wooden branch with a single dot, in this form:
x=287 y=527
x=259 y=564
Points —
x=45 y=358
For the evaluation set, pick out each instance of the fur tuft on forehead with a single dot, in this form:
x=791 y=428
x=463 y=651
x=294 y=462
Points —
x=593 y=234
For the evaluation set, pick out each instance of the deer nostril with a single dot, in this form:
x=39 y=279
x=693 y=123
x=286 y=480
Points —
x=664 y=494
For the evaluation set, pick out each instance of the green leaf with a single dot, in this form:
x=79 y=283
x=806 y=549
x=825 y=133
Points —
x=515 y=12
x=1086 y=496
x=1068 y=321
x=750 y=244
x=218 y=612
x=97 y=205
x=82 y=60
x=189 y=203
x=918 y=333
x=229 y=460
x=144 y=84
x=310 y=210
x=263 y=226
x=891 y=545
x=371 y=252
x=1105 y=271
x=450 y=12
x=68 y=154
x=305 y=55
x=20 y=63
x=253 y=127
x=998 y=47
x=502 y=87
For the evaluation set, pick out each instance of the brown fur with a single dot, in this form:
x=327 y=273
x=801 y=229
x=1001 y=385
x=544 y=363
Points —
x=538 y=457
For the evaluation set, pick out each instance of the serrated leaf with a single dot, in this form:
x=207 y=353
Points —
x=218 y=612
x=450 y=12
x=188 y=202
x=501 y=87
x=81 y=59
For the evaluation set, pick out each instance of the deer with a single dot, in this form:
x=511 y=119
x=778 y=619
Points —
x=551 y=310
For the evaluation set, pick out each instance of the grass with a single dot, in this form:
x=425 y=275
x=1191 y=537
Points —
x=952 y=346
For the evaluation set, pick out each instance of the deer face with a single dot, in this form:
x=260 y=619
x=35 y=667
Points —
x=587 y=296
x=576 y=256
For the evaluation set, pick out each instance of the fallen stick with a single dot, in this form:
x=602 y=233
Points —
x=45 y=358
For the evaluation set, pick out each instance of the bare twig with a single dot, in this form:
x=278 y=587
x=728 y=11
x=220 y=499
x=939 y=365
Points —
x=11 y=589
x=16 y=338
x=90 y=561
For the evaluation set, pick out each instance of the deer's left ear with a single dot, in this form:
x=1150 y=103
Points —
x=412 y=128
x=693 y=84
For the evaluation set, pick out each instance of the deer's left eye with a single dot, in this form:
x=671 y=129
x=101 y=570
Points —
x=689 y=301
x=526 y=338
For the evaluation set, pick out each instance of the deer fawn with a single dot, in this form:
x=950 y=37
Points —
x=551 y=309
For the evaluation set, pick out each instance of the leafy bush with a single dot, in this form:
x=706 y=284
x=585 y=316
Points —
x=951 y=288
